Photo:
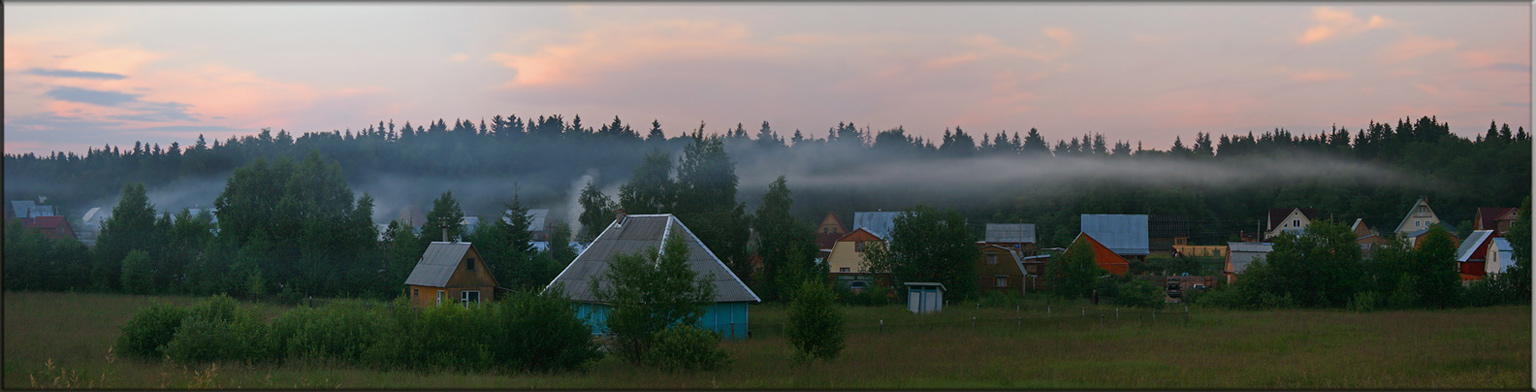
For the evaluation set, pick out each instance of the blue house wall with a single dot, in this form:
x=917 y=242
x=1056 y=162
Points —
x=729 y=319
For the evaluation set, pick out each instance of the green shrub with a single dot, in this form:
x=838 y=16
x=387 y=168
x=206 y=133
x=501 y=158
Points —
x=1141 y=293
x=1364 y=301
x=452 y=337
x=201 y=340
x=540 y=332
x=687 y=348
x=874 y=295
x=138 y=273
x=145 y=335
x=216 y=308
x=814 y=323
x=339 y=331
x=1405 y=295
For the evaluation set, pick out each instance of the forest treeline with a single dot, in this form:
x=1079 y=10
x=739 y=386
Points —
x=543 y=159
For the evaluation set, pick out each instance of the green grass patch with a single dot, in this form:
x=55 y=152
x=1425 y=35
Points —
x=62 y=340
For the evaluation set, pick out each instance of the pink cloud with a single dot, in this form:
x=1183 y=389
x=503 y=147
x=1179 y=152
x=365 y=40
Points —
x=1329 y=22
x=1415 y=46
x=613 y=46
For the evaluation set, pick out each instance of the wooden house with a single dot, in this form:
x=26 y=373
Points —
x=631 y=234
x=1499 y=258
x=1368 y=239
x=1104 y=256
x=1017 y=236
x=1000 y=268
x=829 y=231
x=1125 y=235
x=846 y=260
x=1166 y=231
x=1472 y=255
x=1289 y=220
x=450 y=272
x=1240 y=254
x=1417 y=237
x=1420 y=217
x=1200 y=250
x=1497 y=219
x=1034 y=269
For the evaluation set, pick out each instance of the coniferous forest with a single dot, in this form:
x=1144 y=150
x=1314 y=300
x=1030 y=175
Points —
x=277 y=193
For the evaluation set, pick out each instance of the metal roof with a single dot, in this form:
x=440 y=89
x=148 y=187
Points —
x=437 y=264
x=1243 y=253
x=536 y=219
x=647 y=233
x=1506 y=254
x=1010 y=232
x=878 y=223
x=1126 y=235
x=1469 y=246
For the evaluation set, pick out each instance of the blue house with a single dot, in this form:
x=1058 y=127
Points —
x=636 y=233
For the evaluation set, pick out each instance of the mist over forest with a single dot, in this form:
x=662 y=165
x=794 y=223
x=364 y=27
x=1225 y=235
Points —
x=1222 y=183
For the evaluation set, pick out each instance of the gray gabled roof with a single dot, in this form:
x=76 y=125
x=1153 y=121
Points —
x=646 y=233
x=1464 y=252
x=878 y=223
x=1243 y=253
x=1126 y=235
x=437 y=264
x=1010 y=232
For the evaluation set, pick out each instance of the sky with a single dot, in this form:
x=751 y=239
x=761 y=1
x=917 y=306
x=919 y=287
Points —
x=87 y=74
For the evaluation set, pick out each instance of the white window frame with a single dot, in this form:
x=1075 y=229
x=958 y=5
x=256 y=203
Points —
x=1001 y=280
x=464 y=297
x=440 y=294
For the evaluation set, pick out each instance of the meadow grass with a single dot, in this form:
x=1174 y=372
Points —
x=63 y=340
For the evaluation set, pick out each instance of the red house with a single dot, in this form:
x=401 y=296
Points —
x=1496 y=219
x=1105 y=258
x=54 y=227
x=1471 y=257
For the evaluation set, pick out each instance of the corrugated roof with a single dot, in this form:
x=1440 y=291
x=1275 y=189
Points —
x=536 y=219
x=1278 y=215
x=437 y=264
x=1126 y=235
x=1469 y=246
x=1243 y=253
x=1010 y=232
x=647 y=233
x=878 y=223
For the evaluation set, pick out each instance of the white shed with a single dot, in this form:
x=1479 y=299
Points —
x=925 y=297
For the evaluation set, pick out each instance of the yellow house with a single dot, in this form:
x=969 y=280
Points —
x=846 y=262
x=450 y=272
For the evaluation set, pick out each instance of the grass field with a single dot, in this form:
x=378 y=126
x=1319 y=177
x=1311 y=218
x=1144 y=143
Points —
x=62 y=340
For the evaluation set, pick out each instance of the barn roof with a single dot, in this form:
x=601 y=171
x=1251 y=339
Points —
x=1474 y=241
x=1126 y=235
x=1243 y=253
x=1010 y=232
x=878 y=223
x=647 y=233
x=1489 y=217
x=437 y=264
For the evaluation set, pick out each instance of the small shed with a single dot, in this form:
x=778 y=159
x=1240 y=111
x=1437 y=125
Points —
x=1500 y=257
x=450 y=272
x=1241 y=254
x=925 y=297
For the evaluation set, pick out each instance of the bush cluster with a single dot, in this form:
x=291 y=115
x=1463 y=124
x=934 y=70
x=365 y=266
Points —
x=525 y=332
x=815 y=324
x=687 y=348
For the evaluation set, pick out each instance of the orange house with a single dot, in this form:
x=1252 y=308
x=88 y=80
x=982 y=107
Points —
x=1105 y=258
x=450 y=272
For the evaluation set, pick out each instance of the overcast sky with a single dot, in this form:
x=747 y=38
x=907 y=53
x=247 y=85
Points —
x=81 y=74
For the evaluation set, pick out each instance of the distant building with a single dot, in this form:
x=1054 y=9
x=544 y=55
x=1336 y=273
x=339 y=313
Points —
x=925 y=297
x=1103 y=256
x=1368 y=239
x=829 y=231
x=1000 y=269
x=846 y=260
x=1420 y=217
x=1289 y=220
x=1020 y=237
x=1125 y=235
x=1240 y=254
x=878 y=223
x=1499 y=258
x=450 y=272
x=636 y=233
x=28 y=209
x=1472 y=255
x=1166 y=231
x=1497 y=219
x=54 y=227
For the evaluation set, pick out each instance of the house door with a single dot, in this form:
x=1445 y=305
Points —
x=439 y=297
x=469 y=296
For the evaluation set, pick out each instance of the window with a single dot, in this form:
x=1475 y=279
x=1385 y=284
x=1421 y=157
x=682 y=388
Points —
x=1416 y=223
x=858 y=246
x=991 y=259
x=1002 y=281
x=469 y=296
x=440 y=297
x=1296 y=223
x=844 y=269
x=415 y=293
x=471 y=266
